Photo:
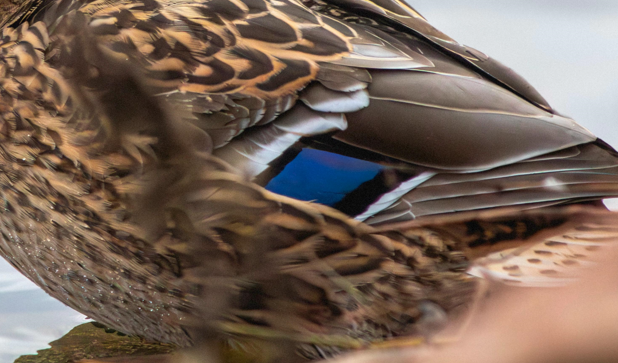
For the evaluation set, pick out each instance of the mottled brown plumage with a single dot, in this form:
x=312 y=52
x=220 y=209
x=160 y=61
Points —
x=137 y=138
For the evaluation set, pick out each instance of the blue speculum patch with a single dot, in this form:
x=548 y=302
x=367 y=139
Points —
x=322 y=176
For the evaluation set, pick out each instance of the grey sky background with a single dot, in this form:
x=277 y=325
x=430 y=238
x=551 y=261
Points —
x=567 y=49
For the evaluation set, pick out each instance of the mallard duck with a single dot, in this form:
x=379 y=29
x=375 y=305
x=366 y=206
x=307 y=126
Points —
x=247 y=165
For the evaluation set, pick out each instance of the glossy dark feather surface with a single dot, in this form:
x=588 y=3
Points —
x=157 y=157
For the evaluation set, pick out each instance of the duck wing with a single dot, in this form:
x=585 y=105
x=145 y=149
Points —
x=355 y=105
x=399 y=12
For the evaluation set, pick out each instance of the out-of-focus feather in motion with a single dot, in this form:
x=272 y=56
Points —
x=573 y=324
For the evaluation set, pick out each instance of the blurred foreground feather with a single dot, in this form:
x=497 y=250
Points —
x=570 y=324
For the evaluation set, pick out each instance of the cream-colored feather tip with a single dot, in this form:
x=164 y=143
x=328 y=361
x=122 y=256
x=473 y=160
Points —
x=554 y=261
